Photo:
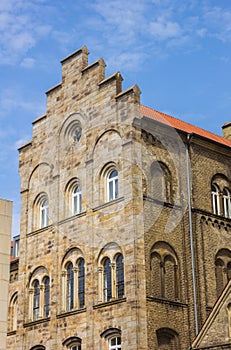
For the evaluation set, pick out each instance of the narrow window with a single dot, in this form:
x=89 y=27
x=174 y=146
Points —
x=81 y=283
x=113 y=185
x=76 y=347
x=227 y=203
x=70 y=287
x=107 y=279
x=76 y=200
x=36 y=301
x=120 y=276
x=44 y=213
x=215 y=199
x=115 y=343
x=46 y=282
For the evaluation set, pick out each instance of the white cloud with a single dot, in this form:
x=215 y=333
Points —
x=28 y=62
x=162 y=29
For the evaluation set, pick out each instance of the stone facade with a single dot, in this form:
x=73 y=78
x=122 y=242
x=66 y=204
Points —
x=5 y=236
x=120 y=241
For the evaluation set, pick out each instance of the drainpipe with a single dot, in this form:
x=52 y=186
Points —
x=189 y=137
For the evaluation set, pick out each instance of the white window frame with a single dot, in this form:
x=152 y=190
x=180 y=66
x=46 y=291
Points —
x=227 y=203
x=76 y=200
x=44 y=212
x=112 y=185
x=114 y=346
x=216 y=199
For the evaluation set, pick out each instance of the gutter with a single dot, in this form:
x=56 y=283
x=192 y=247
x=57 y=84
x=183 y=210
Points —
x=189 y=138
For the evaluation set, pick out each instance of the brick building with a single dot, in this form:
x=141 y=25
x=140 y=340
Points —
x=125 y=221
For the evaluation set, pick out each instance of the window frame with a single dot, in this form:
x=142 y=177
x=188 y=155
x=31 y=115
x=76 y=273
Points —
x=215 y=194
x=69 y=286
x=114 y=346
x=76 y=199
x=112 y=184
x=107 y=280
x=119 y=276
x=44 y=212
x=226 y=198
x=36 y=299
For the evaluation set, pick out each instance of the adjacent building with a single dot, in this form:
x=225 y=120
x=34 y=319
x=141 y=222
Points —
x=125 y=221
x=5 y=237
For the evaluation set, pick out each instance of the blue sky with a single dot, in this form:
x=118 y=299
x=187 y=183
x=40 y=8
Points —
x=178 y=52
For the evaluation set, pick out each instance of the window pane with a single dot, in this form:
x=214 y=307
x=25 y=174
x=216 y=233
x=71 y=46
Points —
x=81 y=283
x=120 y=276
x=70 y=287
x=36 y=302
x=46 y=296
x=107 y=280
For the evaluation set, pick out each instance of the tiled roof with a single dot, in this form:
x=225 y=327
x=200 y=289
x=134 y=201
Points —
x=181 y=125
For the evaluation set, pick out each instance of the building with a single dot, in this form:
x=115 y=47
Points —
x=125 y=221
x=5 y=237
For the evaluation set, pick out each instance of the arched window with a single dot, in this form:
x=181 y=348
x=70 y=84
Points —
x=39 y=294
x=115 y=343
x=13 y=312
x=107 y=279
x=164 y=272
x=227 y=203
x=112 y=184
x=167 y=339
x=113 y=337
x=120 y=276
x=111 y=273
x=161 y=182
x=38 y=347
x=215 y=199
x=44 y=212
x=46 y=283
x=222 y=269
x=76 y=200
x=70 y=287
x=81 y=283
x=73 y=280
x=72 y=343
x=36 y=300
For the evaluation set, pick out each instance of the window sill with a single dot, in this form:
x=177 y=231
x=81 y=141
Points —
x=11 y=333
x=72 y=312
x=107 y=204
x=32 y=323
x=167 y=301
x=159 y=202
x=35 y=232
x=72 y=217
x=109 y=303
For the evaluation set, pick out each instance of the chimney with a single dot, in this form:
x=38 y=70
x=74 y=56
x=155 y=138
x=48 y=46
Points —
x=226 y=128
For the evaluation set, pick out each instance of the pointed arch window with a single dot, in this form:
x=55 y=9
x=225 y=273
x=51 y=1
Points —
x=107 y=279
x=215 y=199
x=76 y=200
x=227 y=203
x=120 y=276
x=44 y=212
x=81 y=283
x=70 y=287
x=112 y=183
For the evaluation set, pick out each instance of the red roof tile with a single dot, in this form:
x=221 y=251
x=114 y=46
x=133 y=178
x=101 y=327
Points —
x=181 y=125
